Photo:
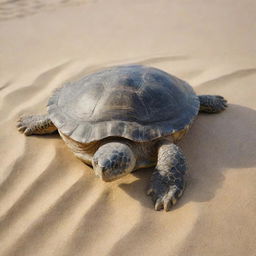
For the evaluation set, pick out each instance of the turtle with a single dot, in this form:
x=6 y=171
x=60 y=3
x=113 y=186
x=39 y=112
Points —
x=125 y=118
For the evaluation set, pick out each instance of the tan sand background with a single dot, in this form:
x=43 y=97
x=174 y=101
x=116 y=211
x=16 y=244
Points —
x=51 y=203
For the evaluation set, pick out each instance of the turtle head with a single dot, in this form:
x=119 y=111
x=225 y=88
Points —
x=113 y=160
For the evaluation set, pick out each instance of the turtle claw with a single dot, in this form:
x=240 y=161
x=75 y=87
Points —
x=165 y=191
x=158 y=204
x=212 y=103
x=35 y=124
x=25 y=124
x=220 y=103
x=167 y=200
x=28 y=131
x=167 y=205
x=21 y=128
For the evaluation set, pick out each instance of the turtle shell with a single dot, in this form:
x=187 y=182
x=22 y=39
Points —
x=135 y=102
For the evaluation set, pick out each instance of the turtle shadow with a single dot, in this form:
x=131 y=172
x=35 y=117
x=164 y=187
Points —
x=214 y=144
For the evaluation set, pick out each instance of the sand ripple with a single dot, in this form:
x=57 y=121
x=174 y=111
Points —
x=11 y=9
x=51 y=204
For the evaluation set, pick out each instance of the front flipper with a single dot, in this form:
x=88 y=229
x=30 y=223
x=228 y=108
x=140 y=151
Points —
x=167 y=182
x=212 y=103
x=36 y=124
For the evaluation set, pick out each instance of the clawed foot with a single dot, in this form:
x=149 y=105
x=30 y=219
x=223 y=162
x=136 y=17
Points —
x=212 y=103
x=25 y=124
x=221 y=103
x=165 y=190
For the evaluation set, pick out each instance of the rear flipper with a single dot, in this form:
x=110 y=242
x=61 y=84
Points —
x=212 y=103
x=36 y=124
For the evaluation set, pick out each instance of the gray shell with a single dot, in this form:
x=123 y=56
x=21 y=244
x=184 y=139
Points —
x=135 y=102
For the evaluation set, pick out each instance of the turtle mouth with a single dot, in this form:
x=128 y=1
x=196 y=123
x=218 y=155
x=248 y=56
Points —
x=109 y=175
x=110 y=179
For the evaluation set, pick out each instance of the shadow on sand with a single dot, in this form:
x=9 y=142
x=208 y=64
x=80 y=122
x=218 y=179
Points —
x=215 y=143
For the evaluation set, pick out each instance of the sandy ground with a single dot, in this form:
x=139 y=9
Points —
x=51 y=203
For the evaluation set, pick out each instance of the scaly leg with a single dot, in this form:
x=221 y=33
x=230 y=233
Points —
x=212 y=104
x=167 y=182
x=36 y=124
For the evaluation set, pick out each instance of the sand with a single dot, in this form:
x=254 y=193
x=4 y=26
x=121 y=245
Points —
x=52 y=204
